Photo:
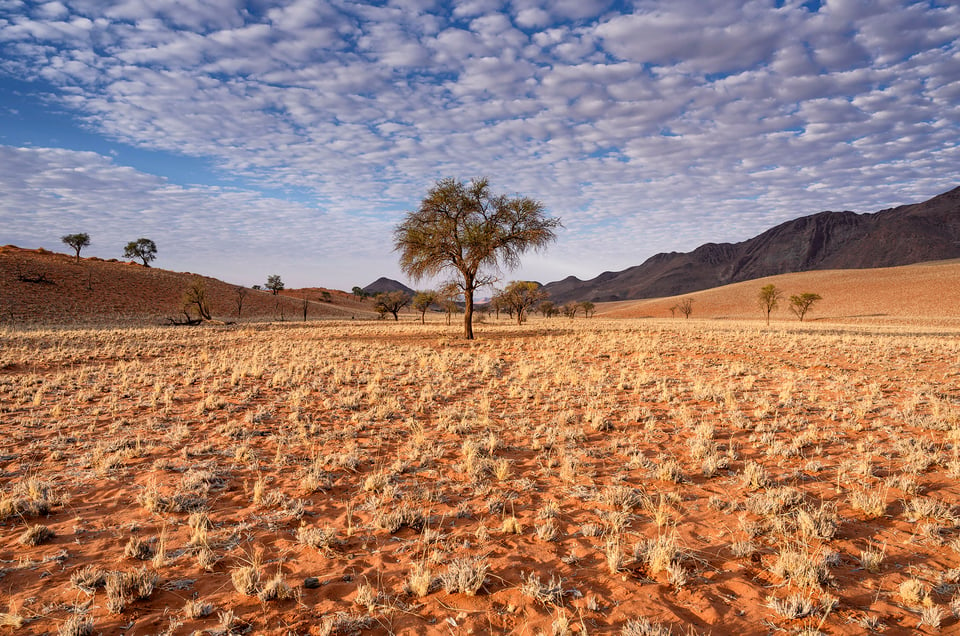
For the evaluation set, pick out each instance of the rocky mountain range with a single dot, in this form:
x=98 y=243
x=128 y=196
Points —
x=903 y=235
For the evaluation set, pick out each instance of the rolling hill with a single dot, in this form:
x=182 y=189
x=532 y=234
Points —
x=39 y=287
x=923 y=293
x=927 y=231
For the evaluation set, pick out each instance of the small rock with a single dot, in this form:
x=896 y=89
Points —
x=311 y=582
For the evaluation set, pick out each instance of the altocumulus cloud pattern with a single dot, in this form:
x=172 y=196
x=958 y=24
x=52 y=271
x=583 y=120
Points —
x=309 y=127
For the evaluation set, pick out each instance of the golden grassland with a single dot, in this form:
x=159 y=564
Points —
x=927 y=293
x=636 y=477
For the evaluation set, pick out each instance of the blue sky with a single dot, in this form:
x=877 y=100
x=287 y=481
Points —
x=261 y=137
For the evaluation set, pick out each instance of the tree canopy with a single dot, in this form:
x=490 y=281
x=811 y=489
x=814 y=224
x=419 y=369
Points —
x=802 y=303
x=391 y=302
x=466 y=228
x=76 y=241
x=521 y=295
x=422 y=301
x=142 y=248
x=768 y=297
x=274 y=283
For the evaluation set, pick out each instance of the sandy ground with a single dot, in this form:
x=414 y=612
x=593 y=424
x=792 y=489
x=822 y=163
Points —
x=568 y=476
x=922 y=293
x=40 y=288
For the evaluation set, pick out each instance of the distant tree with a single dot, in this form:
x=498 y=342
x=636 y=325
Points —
x=685 y=307
x=76 y=241
x=142 y=248
x=391 y=302
x=497 y=303
x=673 y=311
x=195 y=299
x=327 y=298
x=468 y=229
x=274 y=283
x=570 y=309
x=548 y=309
x=803 y=303
x=257 y=287
x=768 y=297
x=448 y=296
x=422 y=301
x=588 y=308
x=521 y=295
x=359 y=293
x=240 y=294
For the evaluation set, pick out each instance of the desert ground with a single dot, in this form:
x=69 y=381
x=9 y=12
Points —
x=635 y=476
x=567 y=476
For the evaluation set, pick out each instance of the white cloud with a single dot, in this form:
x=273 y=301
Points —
x=657 y=129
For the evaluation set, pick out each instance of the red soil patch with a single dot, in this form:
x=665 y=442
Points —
x=727 y=469
x=38 y=288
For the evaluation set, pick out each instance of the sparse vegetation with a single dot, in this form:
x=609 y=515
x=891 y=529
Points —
x=391 y=303
x=684 y=307
x=143 y=249
x=77 y=242
x=768 y=298
x=274 y=284
x=801 y=304
x=468 y=229
x=351 y=475
x=519 y=296
x=422 y=301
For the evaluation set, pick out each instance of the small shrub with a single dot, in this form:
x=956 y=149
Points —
x=35 y=535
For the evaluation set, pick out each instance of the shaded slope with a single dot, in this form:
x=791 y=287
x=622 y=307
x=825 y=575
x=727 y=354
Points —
x=927 y=231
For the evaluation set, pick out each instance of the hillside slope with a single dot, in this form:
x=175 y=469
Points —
x=923 y=293
x=38 y=287
x=927 y=231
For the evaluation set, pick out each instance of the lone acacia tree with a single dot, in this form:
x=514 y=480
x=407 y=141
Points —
x=466 y=228
x=768 y=297
x=142 y=248
x=391 y=302
x=422 y=301
x=274 y=283
x=76 y=241
x=802 y=303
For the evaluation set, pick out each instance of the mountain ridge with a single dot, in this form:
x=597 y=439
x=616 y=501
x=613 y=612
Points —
x=902 y=235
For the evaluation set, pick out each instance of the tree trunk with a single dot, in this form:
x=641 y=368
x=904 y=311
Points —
x=468 y=310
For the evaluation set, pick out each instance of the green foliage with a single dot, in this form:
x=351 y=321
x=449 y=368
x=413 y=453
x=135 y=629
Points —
x=467 y=229
x=195 y=299
x=802 y=303
x=422 y=301
x=548 y=309
x=391 y=303
x=274 y=283
x=76 y=241
x=588 y=308
x=142 y=248
x=768 y=297
x=519 y=296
